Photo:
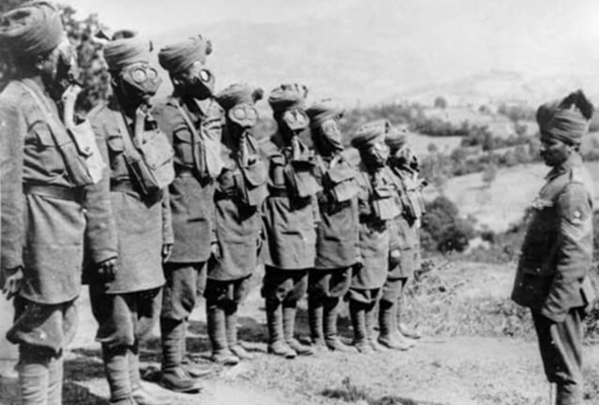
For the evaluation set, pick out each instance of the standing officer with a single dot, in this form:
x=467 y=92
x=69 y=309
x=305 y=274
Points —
x=240 y=191
x=552 y=277
x=337 y=232
x=290 y=217
x=193 y=120
x=377 y=208
x=52 y=198
x=126 y=305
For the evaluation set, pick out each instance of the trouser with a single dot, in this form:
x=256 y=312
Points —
x=362 y=305
x=283 y=288
x=325 y=290
x=222 y=302
x=125 y=320
x=561 y=350
x=185 y=283
x=42 y=332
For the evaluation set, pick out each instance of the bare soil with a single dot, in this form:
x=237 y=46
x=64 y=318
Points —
x=457 y=362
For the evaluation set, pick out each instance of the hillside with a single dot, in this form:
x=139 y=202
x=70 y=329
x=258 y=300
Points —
x=504 y=202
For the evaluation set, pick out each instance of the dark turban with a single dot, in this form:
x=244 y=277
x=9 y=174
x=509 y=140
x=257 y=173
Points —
x=371 y=133
x=287 y=96
x=566 y=120
x=32 y=29
x=323 y=110
x=237 y=94
x=396 y=138
x=177 y=58
x=123 y=52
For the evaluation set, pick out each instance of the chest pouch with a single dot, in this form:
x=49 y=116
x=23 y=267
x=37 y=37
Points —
x=151 y=163
x=343 y=182
x=76 y=145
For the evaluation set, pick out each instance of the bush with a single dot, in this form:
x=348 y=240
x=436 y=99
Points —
x=442 y=228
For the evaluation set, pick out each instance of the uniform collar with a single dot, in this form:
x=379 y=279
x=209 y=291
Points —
x=574 y=160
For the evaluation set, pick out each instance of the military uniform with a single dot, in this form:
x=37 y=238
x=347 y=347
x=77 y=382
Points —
x=194 y=127
x=240 y=191
x=47 y=212
x=404 y=228
x=127 y=305
x=290 y=214
x=377 y=207
x=337 y=231
x=552 y=275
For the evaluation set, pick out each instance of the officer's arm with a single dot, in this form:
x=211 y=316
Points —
x=100 y=231
x=574 y=251
x=12 y=134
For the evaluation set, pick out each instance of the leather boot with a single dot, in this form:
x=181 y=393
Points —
x=191 y=367
x=330 y=326
x=116 y=366
x=274 y=320
x=315 y=315
x=231 y=327
x=288 y=331
x=357 y=313
x=221 y=354
x=174 y=377
x=33 y=369
x=369 y=315
x=139 y=393
x=389 y=336
x=55 y=378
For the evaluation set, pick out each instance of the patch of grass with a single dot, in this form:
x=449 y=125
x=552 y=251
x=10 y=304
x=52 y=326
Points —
x=591 y=384
x=348 y=392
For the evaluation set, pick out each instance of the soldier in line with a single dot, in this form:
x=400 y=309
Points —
x=400 y=271
x=337 y=232
x=552 y=276
x=290 y=216
x=404 y=166
x=126 y=306
x=377 y=208
x=240 y=192
x=192 y=120
x=53 y=198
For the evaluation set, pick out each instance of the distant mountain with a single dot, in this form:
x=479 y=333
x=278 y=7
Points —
x=389 y=49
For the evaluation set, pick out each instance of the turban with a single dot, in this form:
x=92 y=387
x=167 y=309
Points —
x=32 y=29
x=323 y=110
x=396 y=138
x=237 y=94
x=287 y=96
x=181 y=56
x=371 y=133
x=123 y=52
x=566 y=120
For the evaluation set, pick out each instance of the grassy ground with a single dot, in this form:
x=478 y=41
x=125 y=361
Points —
x=478 y=349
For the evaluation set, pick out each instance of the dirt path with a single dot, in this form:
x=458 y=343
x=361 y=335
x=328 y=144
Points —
x=439 y=370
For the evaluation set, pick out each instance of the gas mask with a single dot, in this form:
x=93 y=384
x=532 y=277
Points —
x=327 y=138
x=376 y=155
x=197 y=81
x=404 y=157
x=243 y=115
x=62 y=70
x=295 y=120
x=141 y=81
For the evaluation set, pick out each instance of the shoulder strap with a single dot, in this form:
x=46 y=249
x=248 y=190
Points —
x=130 y=149
x=192 y=127
x=59 y=133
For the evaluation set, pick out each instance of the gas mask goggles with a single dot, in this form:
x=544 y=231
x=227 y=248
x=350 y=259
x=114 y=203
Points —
x=142 y=77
